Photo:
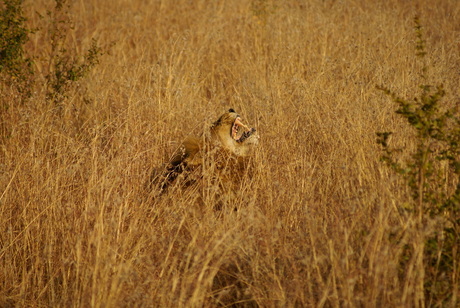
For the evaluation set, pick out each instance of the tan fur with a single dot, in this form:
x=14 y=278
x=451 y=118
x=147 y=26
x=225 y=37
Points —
x=225 y=157
x=220 y=134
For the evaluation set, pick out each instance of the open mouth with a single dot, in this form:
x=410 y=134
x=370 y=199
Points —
x=241 y=132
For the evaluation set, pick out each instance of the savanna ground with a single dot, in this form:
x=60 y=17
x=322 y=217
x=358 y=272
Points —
x=319 y=223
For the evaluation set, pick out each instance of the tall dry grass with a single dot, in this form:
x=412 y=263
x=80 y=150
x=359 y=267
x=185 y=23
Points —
x=317 y=222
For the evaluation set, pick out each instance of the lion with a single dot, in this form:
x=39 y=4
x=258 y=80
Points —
x=213 y=163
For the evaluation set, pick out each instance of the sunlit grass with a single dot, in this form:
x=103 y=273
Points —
x=317 y=222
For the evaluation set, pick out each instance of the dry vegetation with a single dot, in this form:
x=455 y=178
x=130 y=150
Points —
x=319 y=223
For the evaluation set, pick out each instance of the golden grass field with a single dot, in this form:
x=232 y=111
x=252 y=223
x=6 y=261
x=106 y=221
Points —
x=314 y=224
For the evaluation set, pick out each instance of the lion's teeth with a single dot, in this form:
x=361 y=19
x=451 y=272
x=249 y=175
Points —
x=239 y=123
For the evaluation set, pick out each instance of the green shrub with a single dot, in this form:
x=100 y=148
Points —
x=66 y=67
x=432 y=174
x=15 y=66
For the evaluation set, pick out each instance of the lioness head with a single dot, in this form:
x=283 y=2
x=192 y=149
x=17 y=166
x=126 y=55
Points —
x=233 y=134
